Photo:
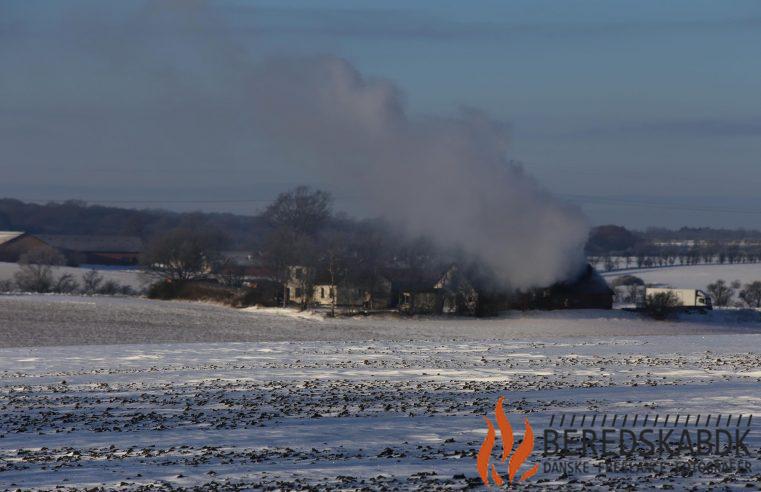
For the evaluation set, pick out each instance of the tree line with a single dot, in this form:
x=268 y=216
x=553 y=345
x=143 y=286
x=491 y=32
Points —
x=302 y=230
x=299 y=228
x=723 y=293
x=615 y=248
x=76 y=217
x=609 y=246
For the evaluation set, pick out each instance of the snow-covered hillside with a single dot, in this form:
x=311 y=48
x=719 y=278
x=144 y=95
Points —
x=693 y=277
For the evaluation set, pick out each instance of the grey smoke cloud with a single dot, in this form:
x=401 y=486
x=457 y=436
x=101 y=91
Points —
x=166 y=88
x=445 y=177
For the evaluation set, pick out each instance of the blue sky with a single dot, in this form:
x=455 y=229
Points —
x=646 y=112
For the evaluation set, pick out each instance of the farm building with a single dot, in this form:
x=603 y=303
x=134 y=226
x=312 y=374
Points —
x=263 y=292
x=307 y=286
x=455 y=293
x=452 y=292
x=413 y=292
x=13 y=244
x=297 y=285
x=587 y=291
x=96 y=250
x=421 y=301
x=449 y=293
x=241 y=268
x=347 y=296
x=459 y=296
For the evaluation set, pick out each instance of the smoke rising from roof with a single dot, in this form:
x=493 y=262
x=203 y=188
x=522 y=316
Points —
x=448 y=178
x=166 y=87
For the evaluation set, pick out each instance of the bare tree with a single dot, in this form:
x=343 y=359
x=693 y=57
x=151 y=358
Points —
x=334 y=259
x=112 y=287
x=302 y=209
x=751 y=294
x=285 y=248
x=721 y=292
x=91 y=281
x=183 y=254
x=640 y=260
x=65 y=284
x=371 y=250
x=661 y=305
x=36 y=271
x=230 y=274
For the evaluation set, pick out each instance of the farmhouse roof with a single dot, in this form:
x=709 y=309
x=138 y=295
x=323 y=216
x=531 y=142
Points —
x=405 y=279
x=8 y=236
x=95 y=244
x=588 y=282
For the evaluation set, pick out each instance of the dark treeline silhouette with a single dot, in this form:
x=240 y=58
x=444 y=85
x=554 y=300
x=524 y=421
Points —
x=80 y=218
x=700 y=234
x=651 y=247
x=299 y=226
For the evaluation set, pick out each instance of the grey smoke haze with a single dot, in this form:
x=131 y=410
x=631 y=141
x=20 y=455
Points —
x=447 y=178
x=167 y=92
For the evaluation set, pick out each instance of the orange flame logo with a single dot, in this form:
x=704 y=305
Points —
x=518 y=458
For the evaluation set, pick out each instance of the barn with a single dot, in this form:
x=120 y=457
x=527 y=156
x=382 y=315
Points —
x=455 y=293
x=97 y=250
x=13 y=244
x=588 y=290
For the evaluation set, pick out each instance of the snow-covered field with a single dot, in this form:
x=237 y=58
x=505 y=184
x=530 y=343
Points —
x=36 y=320
x=693 y=277
x=265 y=400
x=133 y=278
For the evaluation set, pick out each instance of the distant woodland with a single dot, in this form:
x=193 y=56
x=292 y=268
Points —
x=242 y=232
x=78 y=217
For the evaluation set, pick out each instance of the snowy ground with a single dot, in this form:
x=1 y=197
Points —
x=36 y=320
x=133 y=278
x=377 y=404
x=339 y=414
x=693 y=277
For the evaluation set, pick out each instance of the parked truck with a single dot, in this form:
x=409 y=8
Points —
x=687 y=298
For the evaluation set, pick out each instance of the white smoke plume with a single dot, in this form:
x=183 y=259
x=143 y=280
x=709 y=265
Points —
x=448 y=178
x=166 y=89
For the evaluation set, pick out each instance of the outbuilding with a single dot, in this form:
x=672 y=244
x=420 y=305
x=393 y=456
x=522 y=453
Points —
x=13 y=244
x=97 y=250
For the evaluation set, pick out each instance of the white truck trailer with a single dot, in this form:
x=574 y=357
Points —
x=687 y=298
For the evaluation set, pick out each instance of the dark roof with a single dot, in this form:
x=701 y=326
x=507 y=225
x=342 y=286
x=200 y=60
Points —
x=588 y=282
x=94 y=244
x=250 y=271
x=413 y=282
x=8 y=236
x=322 y=278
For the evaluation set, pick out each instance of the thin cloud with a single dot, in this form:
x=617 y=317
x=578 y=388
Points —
x=419 y=24
x=697 y=127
